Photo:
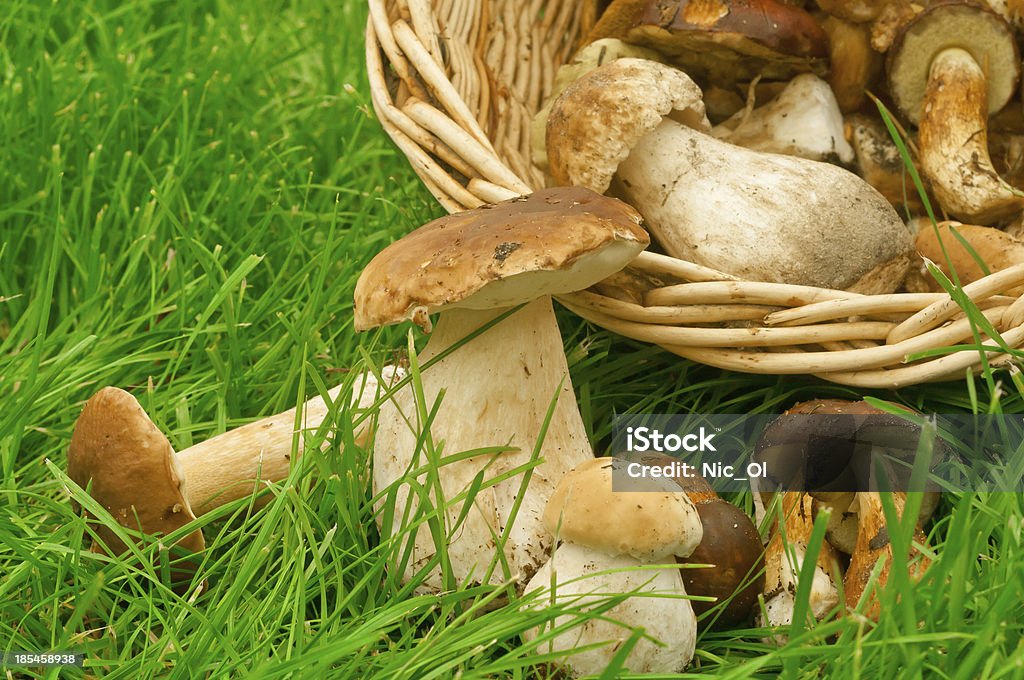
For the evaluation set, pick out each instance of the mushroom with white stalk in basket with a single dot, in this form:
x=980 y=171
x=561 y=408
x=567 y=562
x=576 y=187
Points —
x=473 y=267
x=639 y=127
x=607 y=537
x=128 y=466
x=950 y=68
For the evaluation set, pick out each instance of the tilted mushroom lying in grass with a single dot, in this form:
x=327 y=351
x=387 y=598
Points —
x=803 y=120
x=997 y=249
x=130 y=468
x=472 y=267
x=951 y=67
x=730 y=544
x=606 y=539
x=764 y=217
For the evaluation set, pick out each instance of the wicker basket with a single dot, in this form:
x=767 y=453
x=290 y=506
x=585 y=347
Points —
x=455 y=84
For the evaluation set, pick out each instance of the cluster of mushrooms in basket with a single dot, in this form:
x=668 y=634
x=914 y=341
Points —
x=747 y=135
x=742 y=136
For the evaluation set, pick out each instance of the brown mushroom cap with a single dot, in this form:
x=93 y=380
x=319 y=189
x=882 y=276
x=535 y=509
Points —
x=130 y=465
x=965 y=25
x=997 y=249
x=730 y=40
x=597 y=120
x=651 y=526
x=822 y=446
x=553 y=241
x=730 y=542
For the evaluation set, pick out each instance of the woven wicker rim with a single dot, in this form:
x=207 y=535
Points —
x=455 y=84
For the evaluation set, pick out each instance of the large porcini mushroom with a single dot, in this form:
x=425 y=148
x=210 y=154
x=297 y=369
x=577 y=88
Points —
x=730 y=544
x=952 y=66
x=764 y=217
x=733 y=40
x=472 y=267
x=803 y=120
x=606 y=539
x=130 y=468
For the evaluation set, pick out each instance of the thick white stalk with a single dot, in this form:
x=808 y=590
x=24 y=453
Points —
x=497 y=390
x=578 y=576
x=233 y=464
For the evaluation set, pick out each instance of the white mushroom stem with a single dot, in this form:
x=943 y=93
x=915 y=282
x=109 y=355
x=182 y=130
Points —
x=953 y=138
x=764 y=217
x=234 y=464
x=804 y=120
x=784 y=560
x=497 y=391
x=581 y=578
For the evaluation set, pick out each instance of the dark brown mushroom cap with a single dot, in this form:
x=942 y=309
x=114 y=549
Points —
x=730 y=542
x=553 y=241
x=731 y=40
x=130 y=465
x=965 y=25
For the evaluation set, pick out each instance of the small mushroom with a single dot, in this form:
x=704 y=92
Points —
x=764 y=217
x=472 y=267
x=606 y=540
x=879 y=162
x=952 y=66
x=890 y=21
x=586 y=60
x=804 y=120
x=128 y=467
x=997 y=249
x=730 y=544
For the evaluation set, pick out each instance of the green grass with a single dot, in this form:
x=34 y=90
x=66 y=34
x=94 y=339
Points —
x=188 y=191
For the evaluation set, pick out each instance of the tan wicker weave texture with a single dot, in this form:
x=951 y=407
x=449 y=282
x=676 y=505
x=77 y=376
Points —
x=455 y=84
